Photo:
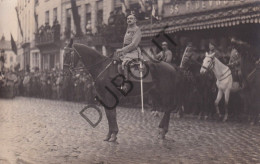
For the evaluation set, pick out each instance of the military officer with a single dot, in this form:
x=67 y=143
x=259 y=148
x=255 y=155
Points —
x=130 y=48
x=165 y=55
x=235 y=61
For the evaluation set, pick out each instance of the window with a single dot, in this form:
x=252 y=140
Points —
x=88 y=14
x=99 y=12
x=11 y=59
x=99 y=17
x=55 y=14
x=79 y=9
x=47 y=17
x=36 y=62
x=36 y=2
x=52 y=61
x=68 y=24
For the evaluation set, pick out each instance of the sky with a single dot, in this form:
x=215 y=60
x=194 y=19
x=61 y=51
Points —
x=8 y=19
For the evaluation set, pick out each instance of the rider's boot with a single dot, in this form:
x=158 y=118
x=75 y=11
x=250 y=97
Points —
x=124 y=86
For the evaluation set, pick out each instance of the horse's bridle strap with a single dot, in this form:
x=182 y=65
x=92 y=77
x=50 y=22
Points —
x=225 y=76
x=103 y=71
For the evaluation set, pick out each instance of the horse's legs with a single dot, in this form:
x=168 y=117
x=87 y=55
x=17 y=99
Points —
x=219 y=96
x=227 y=94
x=164 y=124
x=112 y=124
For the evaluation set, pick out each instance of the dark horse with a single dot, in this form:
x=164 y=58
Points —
x=102 y=69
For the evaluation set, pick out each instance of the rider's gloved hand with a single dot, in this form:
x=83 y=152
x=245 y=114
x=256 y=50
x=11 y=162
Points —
x=119 y=52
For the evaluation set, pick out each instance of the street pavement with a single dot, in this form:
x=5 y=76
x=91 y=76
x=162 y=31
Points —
x=38 y=131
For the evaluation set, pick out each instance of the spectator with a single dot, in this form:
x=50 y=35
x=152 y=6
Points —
x=26 y=84
x=59 y=86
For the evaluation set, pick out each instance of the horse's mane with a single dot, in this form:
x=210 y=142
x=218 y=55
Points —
x=84 y=50
x=220 y=63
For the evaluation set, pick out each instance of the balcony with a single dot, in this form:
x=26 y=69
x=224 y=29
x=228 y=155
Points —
x=90 y=40
x=47 y=37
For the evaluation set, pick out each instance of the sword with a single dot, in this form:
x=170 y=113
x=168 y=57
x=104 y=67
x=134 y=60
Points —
x=142 y=89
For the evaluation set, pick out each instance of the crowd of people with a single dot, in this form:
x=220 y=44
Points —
x=52 y=85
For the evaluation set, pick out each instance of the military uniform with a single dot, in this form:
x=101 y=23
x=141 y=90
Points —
x=131 y=41
x=165 y=56
x=235 y=65
x=185 y=63
x=189 y=51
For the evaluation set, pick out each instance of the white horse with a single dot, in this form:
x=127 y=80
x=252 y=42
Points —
x=224 y=82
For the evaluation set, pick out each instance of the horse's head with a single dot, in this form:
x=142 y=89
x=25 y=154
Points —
x=91 y=59
x=208 y=63
x=70 y=59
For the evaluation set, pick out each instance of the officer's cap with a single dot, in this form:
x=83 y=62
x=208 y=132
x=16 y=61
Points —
x=164 y=43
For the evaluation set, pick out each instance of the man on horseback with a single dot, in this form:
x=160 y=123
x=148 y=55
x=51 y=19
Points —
x=130 y=48
x=188 y=53
x=213 y=50
x=235 y=61
x=165 y=55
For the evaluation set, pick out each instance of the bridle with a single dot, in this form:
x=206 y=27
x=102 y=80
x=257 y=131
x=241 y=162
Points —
x=211 y=64
x=72 y=63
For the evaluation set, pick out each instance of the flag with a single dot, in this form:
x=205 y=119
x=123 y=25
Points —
x=76 y=17
x=155 y=11
x=123 y=2
x=141 y=2
x=19 y=22
x=13 y=44
x=35 y=16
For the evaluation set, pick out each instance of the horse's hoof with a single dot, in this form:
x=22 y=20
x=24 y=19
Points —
x=161 y=134
x=205 y=117
x=225 y=119
x=252 y=123
x=156 y=114
x=113 y=138
x=108 y=137
x=199 y=117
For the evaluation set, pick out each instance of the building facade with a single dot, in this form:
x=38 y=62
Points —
x=40 y=46
x=9 y=55
x=48 y=25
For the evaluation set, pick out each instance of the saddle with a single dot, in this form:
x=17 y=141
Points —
x=235 y=76
x=133 y=71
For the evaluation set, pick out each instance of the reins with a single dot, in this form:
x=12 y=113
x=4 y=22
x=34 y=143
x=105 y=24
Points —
x=73 y=68
x=212 y=65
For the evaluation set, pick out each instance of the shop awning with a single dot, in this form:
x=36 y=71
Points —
x=232 y=16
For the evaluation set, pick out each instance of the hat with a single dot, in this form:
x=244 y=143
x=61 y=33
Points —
x=164 y=43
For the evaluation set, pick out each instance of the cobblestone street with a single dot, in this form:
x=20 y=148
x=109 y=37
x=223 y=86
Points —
x=37 y=131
